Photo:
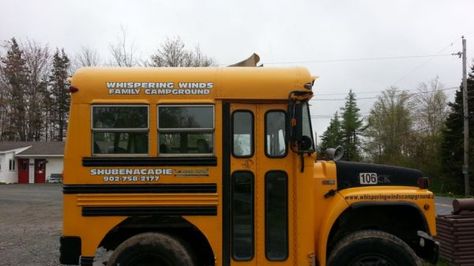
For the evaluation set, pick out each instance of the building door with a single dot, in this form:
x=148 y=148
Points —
x=257 y=186
x=23 y=171
x=40 y=170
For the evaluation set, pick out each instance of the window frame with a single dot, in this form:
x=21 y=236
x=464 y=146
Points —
x=286 y=133
x=191 y=130
x=119 y=130
x=252 y=223
x=266 y=200
x=12 y=165
x=310 y=123
x=252 y=143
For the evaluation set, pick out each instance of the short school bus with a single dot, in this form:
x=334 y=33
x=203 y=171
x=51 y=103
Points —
x=217 y=166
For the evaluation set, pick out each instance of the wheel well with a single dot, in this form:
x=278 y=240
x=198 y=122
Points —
x=171 y=225
x=401 y=220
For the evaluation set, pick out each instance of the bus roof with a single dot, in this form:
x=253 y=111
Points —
x=204 y=83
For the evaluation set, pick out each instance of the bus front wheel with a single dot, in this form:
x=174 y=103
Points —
x=371 y=247
x=151 y=249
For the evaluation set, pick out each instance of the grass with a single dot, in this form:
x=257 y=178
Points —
x=442 y=262
x=451 y=195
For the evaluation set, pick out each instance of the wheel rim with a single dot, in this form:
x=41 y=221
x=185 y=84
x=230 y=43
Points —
x=373 y=260
x=150 y=260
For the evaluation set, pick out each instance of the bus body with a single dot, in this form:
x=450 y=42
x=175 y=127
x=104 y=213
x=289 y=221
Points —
x=217 y=166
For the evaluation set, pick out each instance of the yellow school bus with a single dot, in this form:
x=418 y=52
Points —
x=217 y=166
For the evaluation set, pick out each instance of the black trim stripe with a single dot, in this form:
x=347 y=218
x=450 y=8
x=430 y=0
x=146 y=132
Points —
x=155 y=210
x=226 y=184
x=140 y=188
x=149 y=161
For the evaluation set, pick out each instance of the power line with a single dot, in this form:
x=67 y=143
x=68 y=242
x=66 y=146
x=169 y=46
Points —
x=422 y=64
x=375 y=97
x=341 y=60
x=345 y=93
x=343 y=99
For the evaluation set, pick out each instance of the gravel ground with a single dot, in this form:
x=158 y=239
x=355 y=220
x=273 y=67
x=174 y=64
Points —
x=30 y=224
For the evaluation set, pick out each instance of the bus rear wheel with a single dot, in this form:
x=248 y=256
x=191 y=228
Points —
x=370 y=248
x=149 y=249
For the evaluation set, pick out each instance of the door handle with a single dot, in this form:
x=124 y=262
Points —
x=247 y=163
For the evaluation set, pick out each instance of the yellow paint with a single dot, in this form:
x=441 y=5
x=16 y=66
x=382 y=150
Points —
x=258 y=90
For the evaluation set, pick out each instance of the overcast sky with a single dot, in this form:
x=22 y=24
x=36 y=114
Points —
x=334 y=39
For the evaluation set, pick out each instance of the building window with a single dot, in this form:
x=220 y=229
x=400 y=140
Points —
x=242 y=130
x=275 y=134
x=186 y=129
x=120 y=129
x=11 y=165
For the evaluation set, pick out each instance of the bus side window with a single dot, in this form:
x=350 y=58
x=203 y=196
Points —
x=186 y=129
x=119 y=129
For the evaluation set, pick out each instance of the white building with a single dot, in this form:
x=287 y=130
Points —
x=31 y=162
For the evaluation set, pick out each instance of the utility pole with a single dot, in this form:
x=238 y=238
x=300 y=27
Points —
x=465 y=168
x=465 y=107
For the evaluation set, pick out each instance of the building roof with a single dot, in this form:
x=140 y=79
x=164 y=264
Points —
x=13 y=145
x=54 y=148
x=47 y=148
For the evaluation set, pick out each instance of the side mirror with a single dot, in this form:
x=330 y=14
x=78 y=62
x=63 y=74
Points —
x=299 y=119
x=296 y=126
x=296 y=121
x=335 y=154
x=305 y=143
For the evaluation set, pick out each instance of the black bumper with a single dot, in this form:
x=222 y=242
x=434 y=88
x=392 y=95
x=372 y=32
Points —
x=428 y=248
x=69 y=249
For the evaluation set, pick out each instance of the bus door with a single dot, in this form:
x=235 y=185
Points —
x=259 y=185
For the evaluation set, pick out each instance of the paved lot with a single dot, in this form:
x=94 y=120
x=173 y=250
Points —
x=30 y=224
x=31 y=220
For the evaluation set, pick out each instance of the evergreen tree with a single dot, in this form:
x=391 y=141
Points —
x=452 y=147
x=332 y=137
x=15 y=79
x=351 y=128
x=59 y=94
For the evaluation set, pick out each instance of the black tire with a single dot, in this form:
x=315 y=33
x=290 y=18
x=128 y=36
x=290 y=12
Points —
x=372 y=247
x=151 y=249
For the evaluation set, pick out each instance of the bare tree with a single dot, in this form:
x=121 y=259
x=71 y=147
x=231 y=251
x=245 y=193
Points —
x=123 y=53
x=198 y=59
x=431 y=107
x=429 y=116
x=37 y=58
x=87 y=57
x=172 y=53
x=390 y=127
